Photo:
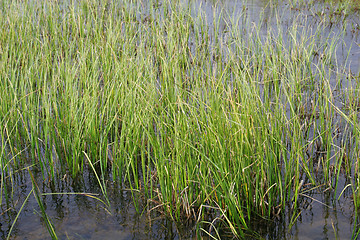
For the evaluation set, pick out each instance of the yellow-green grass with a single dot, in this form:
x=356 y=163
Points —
x=198 y=116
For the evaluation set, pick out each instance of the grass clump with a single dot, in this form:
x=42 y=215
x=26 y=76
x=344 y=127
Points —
x=210 y=123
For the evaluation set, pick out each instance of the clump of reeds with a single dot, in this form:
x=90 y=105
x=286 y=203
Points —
x=215 y=119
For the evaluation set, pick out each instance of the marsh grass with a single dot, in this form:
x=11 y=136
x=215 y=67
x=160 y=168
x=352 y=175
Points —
x=206 y=118
x=37 y=194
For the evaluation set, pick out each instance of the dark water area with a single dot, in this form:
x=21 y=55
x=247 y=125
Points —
x=77 y=212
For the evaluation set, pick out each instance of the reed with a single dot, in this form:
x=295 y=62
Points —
x=190 y=112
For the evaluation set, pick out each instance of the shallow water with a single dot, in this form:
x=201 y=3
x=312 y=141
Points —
x=76 y=216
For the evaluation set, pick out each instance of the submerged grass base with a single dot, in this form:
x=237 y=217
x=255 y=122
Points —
x=213 y=120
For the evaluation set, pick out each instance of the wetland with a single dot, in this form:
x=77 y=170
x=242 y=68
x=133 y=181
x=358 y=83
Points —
x=179 y=119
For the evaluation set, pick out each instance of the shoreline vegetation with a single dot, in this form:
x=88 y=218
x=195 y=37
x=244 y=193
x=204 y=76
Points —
x=221 y=121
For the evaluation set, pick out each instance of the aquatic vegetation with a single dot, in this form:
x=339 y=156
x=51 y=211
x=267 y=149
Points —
x=221 y=122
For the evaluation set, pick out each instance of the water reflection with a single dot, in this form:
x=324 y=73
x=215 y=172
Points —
x=77 y=216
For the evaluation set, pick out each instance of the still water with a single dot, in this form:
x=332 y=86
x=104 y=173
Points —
x=77 y=214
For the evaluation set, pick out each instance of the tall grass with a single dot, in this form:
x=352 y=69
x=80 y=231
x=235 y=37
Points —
x=211 y=119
